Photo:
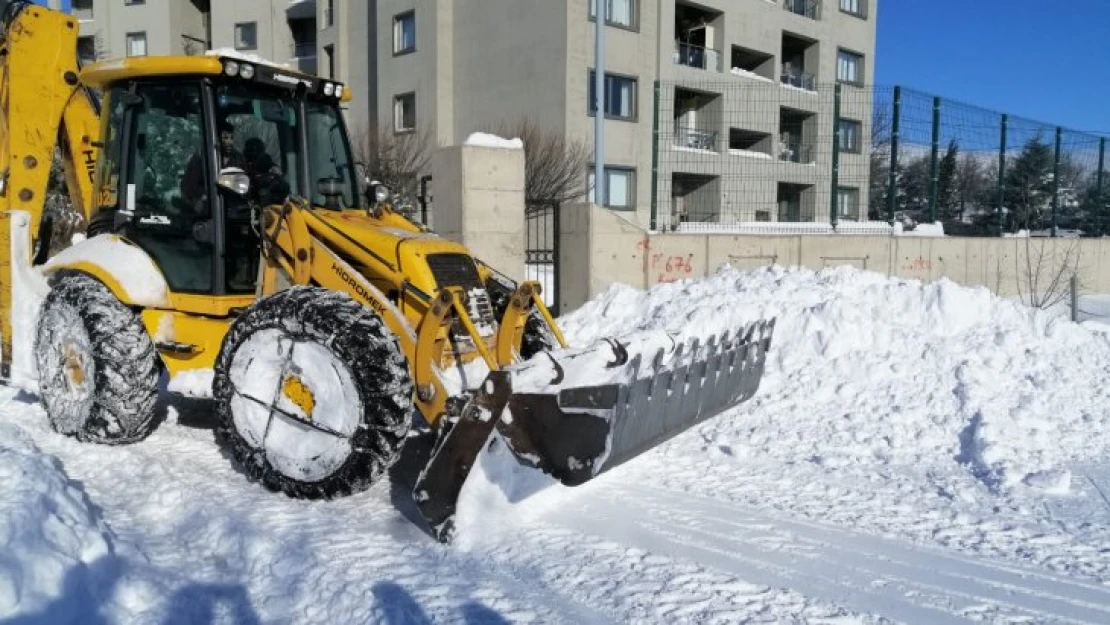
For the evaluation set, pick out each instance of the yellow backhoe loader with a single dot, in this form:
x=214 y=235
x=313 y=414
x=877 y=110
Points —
x=228 y=231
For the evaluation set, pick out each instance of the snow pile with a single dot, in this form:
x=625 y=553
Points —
x=875 y=370
x=239 y=55
x=484 y=140
x=923 y=230
x=55 y=555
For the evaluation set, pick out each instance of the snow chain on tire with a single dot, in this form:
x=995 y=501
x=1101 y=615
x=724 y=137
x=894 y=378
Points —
x=98 y=368
x=358 y=342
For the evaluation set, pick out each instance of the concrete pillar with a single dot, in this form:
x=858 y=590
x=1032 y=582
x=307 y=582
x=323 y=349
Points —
x=479 y=202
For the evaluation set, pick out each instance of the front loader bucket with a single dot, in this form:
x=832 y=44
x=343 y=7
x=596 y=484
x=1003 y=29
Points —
x=577 y=432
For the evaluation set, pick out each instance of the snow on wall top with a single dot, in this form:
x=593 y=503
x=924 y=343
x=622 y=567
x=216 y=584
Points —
x=485 y=140
x=131 y=267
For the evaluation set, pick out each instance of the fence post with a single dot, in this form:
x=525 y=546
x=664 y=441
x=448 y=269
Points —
x=895 y=135
x=835 y=182
x=1002 y=172
x=655 y=161
x=1098 y=184
x=1056 y=179
x=556 y=260
x=933 y=164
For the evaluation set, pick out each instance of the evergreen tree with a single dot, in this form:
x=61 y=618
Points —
x=1028 y=186
x=948 y=192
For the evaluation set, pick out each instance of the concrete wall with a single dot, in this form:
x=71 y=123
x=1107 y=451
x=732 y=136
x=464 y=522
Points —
x=479 y=195
x=600 y=248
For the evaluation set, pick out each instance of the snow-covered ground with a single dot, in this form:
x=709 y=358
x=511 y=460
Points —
x=916 y=453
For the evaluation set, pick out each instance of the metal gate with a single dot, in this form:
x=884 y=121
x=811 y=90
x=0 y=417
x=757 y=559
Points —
x=541 y=251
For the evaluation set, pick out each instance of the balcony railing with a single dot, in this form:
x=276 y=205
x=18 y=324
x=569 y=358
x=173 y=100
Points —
x=695 y=139
x=697 y=56
x=303 y=49
x=800 y=80
x=795 y=152
x=805 y=8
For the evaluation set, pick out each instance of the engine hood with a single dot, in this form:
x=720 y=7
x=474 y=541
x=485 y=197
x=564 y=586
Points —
x=427 y=260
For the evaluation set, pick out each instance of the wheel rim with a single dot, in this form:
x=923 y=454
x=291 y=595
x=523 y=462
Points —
x=296 y=402
x=67 y=370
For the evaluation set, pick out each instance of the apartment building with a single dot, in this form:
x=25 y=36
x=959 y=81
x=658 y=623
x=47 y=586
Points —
x=451 y=67
x=446 y=68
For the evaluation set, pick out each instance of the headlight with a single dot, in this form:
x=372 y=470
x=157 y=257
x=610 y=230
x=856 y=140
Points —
x=231 y=68
x=246 y=70
x=381 y=193
x=329 y=89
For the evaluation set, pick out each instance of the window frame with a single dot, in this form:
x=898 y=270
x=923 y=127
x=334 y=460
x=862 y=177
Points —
x=607 y=171
x=635 y=80
x=854 y=194
x=591 y=16
x=861 y=8
x=397 y=22
x=127 y=39
x=860 y=60
x=842 y=138
x=235 y=35
x=398 y=99
x=128 y=3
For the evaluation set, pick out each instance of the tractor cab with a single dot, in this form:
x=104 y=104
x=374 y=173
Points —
x=194 y=146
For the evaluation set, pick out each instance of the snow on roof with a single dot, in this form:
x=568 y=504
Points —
x=232 y=53
x=484 y=140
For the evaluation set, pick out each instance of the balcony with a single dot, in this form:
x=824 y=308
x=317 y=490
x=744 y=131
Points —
x=805 y=8
x=302 y=50
x=697 y=57
x=694 y=139
x=796 y=152
x=800 y=80
x=301 y=10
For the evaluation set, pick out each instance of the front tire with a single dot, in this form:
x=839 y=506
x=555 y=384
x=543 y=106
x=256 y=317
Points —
x=313 y=394
x=97 y=366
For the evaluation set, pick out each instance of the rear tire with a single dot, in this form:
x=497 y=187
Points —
x=344 y=433
x=98 y=369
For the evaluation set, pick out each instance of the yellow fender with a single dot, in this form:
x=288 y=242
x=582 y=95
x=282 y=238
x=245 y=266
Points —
x=125 y=268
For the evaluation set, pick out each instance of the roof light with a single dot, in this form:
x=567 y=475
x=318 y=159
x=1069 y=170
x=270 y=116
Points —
x=231 y=68
x=339 y=91
x=329 y=89
x=246 y=70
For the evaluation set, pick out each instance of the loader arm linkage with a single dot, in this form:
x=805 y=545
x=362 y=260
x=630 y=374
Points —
x=43 y=108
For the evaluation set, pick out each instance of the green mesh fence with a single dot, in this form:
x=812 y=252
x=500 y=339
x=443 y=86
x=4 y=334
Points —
x=756 y=155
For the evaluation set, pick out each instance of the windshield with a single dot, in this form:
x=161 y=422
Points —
x=329 y=155
x=257 y=132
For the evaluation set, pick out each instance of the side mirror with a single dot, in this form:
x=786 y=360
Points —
x=235 y=180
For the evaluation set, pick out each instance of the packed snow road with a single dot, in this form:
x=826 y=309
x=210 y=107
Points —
x=917 y=453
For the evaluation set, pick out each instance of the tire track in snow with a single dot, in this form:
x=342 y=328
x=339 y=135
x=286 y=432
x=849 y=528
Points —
x=866 y=573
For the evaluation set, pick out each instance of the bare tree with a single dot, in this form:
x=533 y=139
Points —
x=395 y=160
x=1049 y=264
x=555 y=166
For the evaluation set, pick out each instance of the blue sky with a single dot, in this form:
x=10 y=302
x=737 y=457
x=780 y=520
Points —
x=1044 y=59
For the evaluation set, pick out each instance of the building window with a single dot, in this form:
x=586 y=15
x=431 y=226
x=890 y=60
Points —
x=847 y=202
x=246 y=36
x=133 y=2
x=329 y=13
x=86 y=49
x=850 y=131
x=623 y=13
x=404 y=112
x=849 y=67
x=404 y=33
x=620 y=187
x=854 y=7
x=136 y=44
x=620 y=96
